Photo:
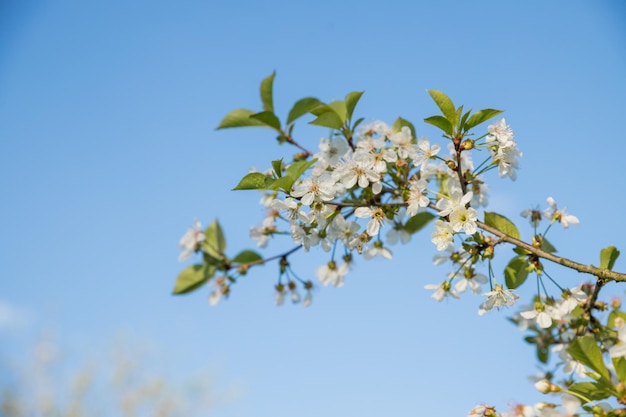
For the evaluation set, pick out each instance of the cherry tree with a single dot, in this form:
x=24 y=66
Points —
x=370 y=185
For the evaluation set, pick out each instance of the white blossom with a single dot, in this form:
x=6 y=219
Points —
x=441 y=290
x=191 y=241
x=443 y=235
x=426 y=152
x=498 y=297
x=376 y=216
x=556 y=215
x=315 y=188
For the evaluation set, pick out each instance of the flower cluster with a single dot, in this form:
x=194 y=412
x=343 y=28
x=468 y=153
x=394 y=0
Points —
x=370 y=187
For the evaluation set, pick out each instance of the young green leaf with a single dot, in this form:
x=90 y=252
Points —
x=302 y=107
x=267 y=95
x=547 y=246
x=192 y=278
x=590 y=390
x=445 y=104
x=440 y=122
x=252 y=181
x=328 y=119
x=480 y=116
x=214 y=243
x=294 y=171
x=515 y=272
x=240 y=118
x=247 y=256
x=417 y=222
x=268 y=118
x=277 y=165
x=351 y=100
x=585 y=350
x=619 y=364
x=502 y=224
x=608 y=256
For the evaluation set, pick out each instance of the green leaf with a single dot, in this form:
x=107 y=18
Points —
x=252 y=181
x=268 y=118
x=543 y=354
x=294 y=171
x=620 y=368
x=329 y=119
x=445 y=104
x=214 y=242
x=302 y=107
x=502 y=224
x=240 y=118
x=440 y=122
x=464 y=120
x=608 y=256
x=339 y=107
x=358 y=122
x=547 y=246
x=480 y=116
x=277 y=165
x=351 y=100
x=247 y=256
x=590 y=390
x=457 y=116
x=192 y=278
x=515 y=272
x=417 y=222
x=400 y=123
x=267 y=86
x=585 y=350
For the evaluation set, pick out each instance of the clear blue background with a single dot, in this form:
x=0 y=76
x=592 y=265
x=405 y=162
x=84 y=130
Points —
x=109 y=151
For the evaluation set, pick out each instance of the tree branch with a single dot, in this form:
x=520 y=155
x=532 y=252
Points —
x=602 y=273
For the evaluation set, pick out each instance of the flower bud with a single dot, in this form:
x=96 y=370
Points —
x=467 y=144
x=488 y=253
x=544 y=386
x=451 y=165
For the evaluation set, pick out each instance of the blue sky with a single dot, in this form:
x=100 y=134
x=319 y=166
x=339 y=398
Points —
x=109 y=151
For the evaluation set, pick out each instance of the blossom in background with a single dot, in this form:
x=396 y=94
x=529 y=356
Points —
x=403 y=143
x=556 y=215
x=191 y=241
x=619 y=348
x=291 y=207
x=332 y=150
x=473 y=281
x=533 y=215
x=482 y=410
x=539 y=312
x=442 y=290
x=377 y=250
x=332 y=274
x=262 y=233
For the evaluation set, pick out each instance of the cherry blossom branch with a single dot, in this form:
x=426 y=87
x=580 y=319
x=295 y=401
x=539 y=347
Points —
x=602 y=273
